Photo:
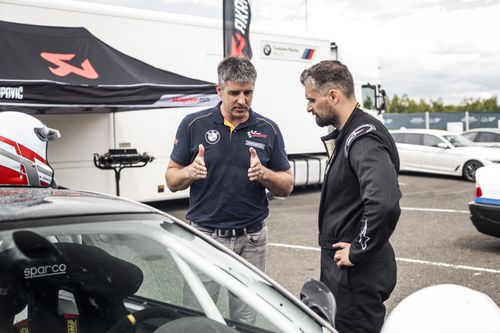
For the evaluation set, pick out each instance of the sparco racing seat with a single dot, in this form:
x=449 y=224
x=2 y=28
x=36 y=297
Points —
x=69 y=287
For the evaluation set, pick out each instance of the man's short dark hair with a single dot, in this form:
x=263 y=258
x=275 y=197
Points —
x=329 y=74
x=236 y=69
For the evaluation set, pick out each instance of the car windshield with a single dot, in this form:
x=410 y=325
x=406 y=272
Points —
x=102 y=270
x=459 y=141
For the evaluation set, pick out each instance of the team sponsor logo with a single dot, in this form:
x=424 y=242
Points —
x=267 y=49
x=64 y=68
x=22 y=326
x=212 y=137
x=190 y=100
x=308 y=53
x=287 y=51
x=256 y=134
x=45 y=270
x=254 y=144
x=359 y=131
x=11 y=92
x=71 y=324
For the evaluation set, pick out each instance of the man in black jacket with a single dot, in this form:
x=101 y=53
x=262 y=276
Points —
x=359 y=205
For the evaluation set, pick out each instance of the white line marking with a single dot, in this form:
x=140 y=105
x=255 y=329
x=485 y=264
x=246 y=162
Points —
x=436 y=210
x=413 y=261
x=442 y=264
x=299 y=247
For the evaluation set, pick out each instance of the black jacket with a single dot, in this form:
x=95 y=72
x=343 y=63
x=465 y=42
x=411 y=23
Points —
x=360 y=194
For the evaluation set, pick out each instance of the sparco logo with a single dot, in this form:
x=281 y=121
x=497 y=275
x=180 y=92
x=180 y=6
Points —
x=11 y=92
x=47 y=270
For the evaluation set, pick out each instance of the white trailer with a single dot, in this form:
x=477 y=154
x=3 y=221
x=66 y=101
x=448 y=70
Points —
x=190 y=46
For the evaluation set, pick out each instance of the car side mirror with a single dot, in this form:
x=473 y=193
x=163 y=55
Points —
x=442 y=145
x=316 y=296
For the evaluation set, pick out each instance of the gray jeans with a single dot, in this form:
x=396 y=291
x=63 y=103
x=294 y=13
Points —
x=253 y=248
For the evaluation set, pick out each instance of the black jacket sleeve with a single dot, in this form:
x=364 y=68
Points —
x=379 y=190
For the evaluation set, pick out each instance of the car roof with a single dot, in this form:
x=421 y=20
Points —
x=21 y=203
x=484 y=129
x=423 y=131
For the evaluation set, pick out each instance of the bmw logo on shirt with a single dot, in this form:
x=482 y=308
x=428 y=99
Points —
x=212 y=136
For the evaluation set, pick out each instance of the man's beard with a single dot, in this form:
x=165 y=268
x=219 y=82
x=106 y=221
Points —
x=330 y=118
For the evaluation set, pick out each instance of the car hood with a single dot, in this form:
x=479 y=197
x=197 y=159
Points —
x=26 y=203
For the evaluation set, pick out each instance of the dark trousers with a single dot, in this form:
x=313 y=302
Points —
x=360 y=291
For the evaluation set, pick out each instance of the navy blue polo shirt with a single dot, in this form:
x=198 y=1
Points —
x=227 y=199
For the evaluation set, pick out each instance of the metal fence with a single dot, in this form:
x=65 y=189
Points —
x=454 y=121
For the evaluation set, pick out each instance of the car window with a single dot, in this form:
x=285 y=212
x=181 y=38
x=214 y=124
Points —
x=162 y=279
x=459 y=141
x=398 y=137
x=488 y=137
x=431 y=140
x=471 y=136
x=109 y=269
x=413 y=138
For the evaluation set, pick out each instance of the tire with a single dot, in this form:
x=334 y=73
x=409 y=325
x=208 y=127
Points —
x=469 y=169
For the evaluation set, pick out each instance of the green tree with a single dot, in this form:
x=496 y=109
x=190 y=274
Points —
x=405 y=104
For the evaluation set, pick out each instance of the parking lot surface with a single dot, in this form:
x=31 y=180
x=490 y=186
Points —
x=435 y=241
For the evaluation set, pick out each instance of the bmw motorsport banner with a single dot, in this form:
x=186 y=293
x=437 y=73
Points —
x=237 y=16
x=67 y=70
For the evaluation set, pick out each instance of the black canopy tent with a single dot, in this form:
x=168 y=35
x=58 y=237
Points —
x=61 y=70
x=68 y=70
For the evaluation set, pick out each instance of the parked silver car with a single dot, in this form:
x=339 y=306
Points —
x=441 y=152
x=487 y=137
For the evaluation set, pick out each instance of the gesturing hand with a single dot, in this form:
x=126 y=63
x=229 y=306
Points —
x=257 y=170
x=197 y=169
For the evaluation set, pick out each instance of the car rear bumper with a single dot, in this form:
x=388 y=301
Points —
x=486 y=218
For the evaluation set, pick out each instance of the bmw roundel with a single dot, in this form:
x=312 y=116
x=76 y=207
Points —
x=212 y=136
x=267 y=49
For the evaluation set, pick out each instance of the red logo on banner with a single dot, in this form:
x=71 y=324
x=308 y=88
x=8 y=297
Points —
x=238 y=45
x=86 y=70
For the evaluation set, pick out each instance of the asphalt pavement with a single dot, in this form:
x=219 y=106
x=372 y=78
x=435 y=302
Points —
x=435 y=241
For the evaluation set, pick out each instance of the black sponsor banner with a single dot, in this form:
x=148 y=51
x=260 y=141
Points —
x=237 y=17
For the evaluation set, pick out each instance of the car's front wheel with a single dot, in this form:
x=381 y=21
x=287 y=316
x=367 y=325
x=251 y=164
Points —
x=469 y=170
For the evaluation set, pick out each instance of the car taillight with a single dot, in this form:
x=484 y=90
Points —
x=479 y=193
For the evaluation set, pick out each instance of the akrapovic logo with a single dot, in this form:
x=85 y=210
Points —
x=11 y=92
x=46 y=270
x=241 y=16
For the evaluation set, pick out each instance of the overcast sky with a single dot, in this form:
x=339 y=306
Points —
x=430 y=49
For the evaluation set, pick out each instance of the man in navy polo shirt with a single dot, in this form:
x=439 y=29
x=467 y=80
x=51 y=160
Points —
x=229 y=155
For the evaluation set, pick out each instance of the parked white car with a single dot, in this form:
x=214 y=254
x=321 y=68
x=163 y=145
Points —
x=441 y=152
x=485 y=208
x=487 y=137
